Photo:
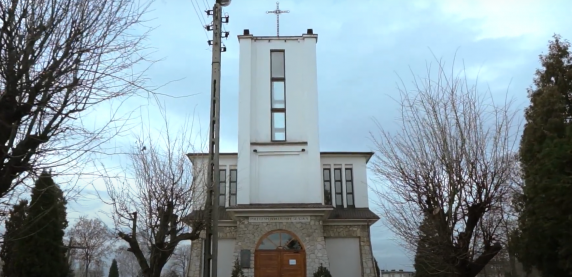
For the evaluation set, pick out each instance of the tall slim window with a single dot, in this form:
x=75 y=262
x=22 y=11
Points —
x=222 y=187
x=338 y=187
x=327 y=187
x=232 y=199
x=278 y=95
x=349 y=188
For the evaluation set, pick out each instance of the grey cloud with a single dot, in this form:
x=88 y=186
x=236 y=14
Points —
x=363 y=49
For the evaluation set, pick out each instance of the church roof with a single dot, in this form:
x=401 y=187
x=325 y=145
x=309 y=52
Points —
x=353 y=213
x=368 y=155
x=336 y=213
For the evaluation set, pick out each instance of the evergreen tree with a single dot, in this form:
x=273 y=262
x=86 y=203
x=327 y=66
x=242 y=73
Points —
x=237 y=270
x=429 y=252
x=43 y=253
x=422 y=257
x=113 y=269
x=322 y=272
x=544 y=239
x=13 y=233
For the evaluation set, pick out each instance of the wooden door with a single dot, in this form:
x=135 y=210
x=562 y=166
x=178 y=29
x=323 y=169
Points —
x=267 y=264
x=278 y=263
x=292 y=264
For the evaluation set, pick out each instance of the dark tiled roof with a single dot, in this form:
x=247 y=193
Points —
x=336 y=153
x=223 y=215
x=282 y=206
x=337 y=213
x=197 y=214
x=353 y=213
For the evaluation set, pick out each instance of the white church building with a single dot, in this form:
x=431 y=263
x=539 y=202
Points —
x=286 y=207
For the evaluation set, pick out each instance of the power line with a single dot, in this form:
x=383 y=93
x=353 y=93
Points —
x=207 y=5
x=200 y=16
x=205 y=8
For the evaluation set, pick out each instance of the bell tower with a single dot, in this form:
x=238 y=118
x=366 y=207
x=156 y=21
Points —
x=278 y=141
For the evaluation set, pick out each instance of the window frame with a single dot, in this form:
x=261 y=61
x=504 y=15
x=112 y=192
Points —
x=341 y=193
x=274 y=110
x=222 y=184
x=348 y=193
x=326 y=195
x=231 y=183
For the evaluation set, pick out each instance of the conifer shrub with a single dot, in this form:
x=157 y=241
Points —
x=237 y=270
x=322 y=272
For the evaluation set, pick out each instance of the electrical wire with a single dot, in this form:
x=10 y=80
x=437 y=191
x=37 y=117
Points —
x=200 y=15
x=207 y=6
x=201 y=18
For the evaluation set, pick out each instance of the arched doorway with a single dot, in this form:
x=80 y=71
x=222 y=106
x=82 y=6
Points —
x=279 y=253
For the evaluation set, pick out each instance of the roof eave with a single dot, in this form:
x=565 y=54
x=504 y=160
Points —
x=367 y=155
x=350 y=221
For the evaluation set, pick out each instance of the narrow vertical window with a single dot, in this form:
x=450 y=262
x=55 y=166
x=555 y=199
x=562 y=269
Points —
x=327 y=187
x=350 y=188
x=277 y=96
x=338 y=187
x=222 y=187
x=232 y=199
x=277 y=64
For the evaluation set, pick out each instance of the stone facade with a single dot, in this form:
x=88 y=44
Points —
x=355 y=231
x=227 y=232
x=309 y=233
x=312 y=235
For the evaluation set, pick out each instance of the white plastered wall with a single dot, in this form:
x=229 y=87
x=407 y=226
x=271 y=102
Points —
x=344 y=255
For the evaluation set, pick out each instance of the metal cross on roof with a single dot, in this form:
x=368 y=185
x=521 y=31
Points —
x=278 y=12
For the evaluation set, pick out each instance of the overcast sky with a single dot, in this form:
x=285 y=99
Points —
x=364 y=48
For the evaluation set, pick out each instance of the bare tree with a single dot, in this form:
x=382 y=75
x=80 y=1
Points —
x=181 y=260
x=497 y=267
x=151 y=204
x=60 y=60
x=94 y=238
x=452 y=162
x=127 y=263
x=96 y=269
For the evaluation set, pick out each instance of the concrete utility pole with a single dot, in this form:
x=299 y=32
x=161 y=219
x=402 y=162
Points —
x=213 y=177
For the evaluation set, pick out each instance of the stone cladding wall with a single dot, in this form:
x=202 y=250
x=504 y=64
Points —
x=310 y=234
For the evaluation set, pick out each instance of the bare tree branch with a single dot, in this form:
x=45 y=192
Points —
x=94 y=239
x=127 y=263
x=152 y=203
x=61 y=59
x=181 y=260
x=451 y=163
